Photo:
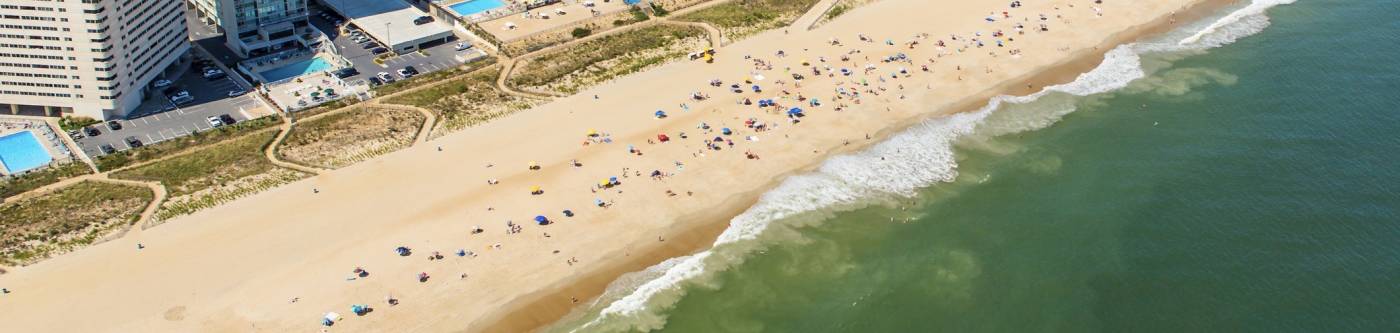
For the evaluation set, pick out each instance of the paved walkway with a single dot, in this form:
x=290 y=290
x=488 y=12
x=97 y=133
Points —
x=813 y=15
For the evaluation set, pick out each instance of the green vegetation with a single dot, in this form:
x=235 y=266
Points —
x=345 y=138
x=580 y=32
x=837 y=11
x=465 y=101
x=69 y=123
x=325 y=107
x=658 y=10
x=740 y=18
x=117 y=160
x=39 y=178
x=63 y=220
x=213 y=166
x=427 y=78
x=642 y=48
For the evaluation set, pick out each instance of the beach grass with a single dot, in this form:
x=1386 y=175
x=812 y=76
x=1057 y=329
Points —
x=465 y=101
x=77 y=215
x=29 y=181
x=214 y=175
x=153 y=151
x=742 y=18
x=346 y=138
x=585 y=64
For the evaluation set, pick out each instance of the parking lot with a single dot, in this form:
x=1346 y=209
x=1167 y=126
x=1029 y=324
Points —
x=431 y=59
x=158 y=119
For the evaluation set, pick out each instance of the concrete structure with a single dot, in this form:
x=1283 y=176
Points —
x=254 y=28
x=391 y=22
x=93 y=58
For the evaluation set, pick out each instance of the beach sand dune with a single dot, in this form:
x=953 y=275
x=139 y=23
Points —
x=278 y=261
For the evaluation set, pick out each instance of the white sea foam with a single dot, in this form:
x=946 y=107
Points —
x=916 y=158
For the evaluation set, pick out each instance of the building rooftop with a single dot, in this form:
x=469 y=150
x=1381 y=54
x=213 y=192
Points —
x=389 y=21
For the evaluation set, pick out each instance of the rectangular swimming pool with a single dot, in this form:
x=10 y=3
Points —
x=20 y=152
x=296 y=69
x=470 y=7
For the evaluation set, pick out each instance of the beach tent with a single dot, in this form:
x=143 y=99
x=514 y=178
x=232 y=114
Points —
x=359 y=309
x=403 y=251
x=330 y=318
x=660 y=114
x=726 y=131
x=541 y=219
x=795 y=112
x=663 y=138
x=568 y=213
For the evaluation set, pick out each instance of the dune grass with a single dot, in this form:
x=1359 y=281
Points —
x=65 y=219
x=577 y=66
x=13 y=186
x=741 y=18
x=345 y=138
x=465 y=101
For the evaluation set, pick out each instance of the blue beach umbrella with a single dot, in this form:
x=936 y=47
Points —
x=541 y=219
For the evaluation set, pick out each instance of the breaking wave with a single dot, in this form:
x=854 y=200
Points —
x=896 y=168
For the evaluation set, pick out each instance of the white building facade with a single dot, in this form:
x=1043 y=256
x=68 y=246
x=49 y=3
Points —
x=92 y=58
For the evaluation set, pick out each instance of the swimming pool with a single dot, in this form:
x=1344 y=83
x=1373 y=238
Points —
x=20 y=152
x=296 y=69
x=470 y=7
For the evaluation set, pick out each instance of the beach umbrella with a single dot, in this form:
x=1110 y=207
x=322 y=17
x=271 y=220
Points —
x=663 y=137
x=592 y=132
x=534 y=165
x=604 y=183
x=598 y=202
x=568 y=213
x=536 y=190
x=541 y=219
x=726 y=131
x=613 y=180
x=660 y=114
x=795 y=112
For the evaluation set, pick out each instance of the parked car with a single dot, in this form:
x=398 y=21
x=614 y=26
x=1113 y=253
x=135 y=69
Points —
x=76 y=134
x=346 y=73
x=421 y=20
x=162 y=83
x=114 y=125
x=227 y=119
x=411 y=70
x=384 y=76
x=106 y=149
x=215 y=122
x=236 y=93
x=214 y=73
x=379 y=51
x=133 y=142
x=403 y=73
x=464 y=46
x=92 y=131
x=374 y=82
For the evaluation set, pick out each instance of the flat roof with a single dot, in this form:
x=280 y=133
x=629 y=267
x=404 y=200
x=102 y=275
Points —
x=389 y=21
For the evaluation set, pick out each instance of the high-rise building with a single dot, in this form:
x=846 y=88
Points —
x=92 y=58
x=253 y=28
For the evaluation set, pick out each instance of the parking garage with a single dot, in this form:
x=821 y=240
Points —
x=393 y=23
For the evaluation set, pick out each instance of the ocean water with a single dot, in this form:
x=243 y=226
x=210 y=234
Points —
x=1235 y=175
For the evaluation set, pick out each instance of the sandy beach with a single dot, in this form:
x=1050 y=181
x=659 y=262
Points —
x=280 y=260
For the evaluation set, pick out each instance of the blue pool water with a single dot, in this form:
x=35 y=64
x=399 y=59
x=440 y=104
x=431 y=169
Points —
x=475 y=6
x=296 y=69
x=21 y=152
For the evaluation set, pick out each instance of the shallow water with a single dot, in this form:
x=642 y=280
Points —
x=1249 y=187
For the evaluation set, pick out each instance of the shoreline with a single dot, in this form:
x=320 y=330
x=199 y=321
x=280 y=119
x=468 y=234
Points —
x=234 y=267
x=545 y=309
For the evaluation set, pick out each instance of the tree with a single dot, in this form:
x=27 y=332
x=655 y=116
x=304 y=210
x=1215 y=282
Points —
x=581 y=32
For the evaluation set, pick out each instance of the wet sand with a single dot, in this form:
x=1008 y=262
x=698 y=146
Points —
x=237 y=267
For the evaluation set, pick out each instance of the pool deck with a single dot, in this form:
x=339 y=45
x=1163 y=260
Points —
x=528 y=26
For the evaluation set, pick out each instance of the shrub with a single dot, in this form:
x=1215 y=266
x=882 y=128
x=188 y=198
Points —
x=580 y=32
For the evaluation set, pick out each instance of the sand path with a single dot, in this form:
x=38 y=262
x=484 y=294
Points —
x=238 y=267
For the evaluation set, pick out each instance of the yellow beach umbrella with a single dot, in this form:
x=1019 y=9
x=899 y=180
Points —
x=592 y=132
x=535 y=189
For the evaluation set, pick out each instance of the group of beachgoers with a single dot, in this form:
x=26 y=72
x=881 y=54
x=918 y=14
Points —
x=872 y=68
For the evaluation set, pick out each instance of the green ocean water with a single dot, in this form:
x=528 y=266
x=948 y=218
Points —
x=1250 y=187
